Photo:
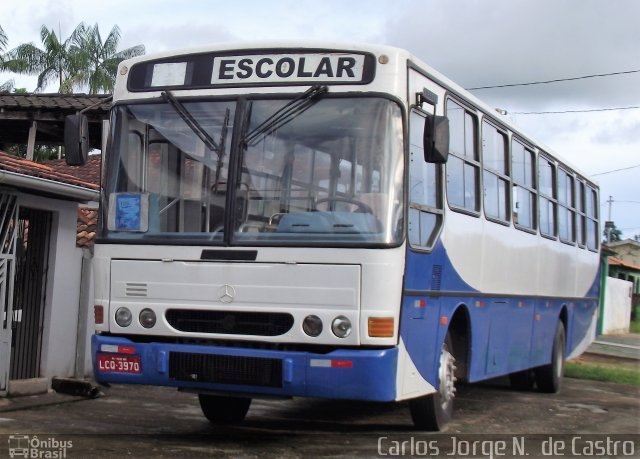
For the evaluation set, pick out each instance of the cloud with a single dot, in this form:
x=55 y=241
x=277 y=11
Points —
x=488 y=42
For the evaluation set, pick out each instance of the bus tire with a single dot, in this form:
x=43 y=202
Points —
x=432 y=412
x=549 y=377
x=224 y=410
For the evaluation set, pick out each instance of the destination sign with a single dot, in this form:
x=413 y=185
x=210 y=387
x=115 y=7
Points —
x=255 y=68
x=307 y=68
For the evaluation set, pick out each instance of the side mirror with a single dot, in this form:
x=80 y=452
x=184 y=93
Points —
x=436 y=139
x=76 y=139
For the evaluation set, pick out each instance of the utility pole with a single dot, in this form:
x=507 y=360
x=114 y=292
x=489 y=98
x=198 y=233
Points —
x=609 y=223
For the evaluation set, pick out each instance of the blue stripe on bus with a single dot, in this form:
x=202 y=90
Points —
x=508 y=333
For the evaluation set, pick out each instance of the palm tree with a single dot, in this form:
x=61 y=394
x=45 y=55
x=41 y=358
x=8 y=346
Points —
x=96 y=60
x=51 y=63
x=7 y=86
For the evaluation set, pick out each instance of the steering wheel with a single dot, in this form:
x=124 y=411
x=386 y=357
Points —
x=361 y=206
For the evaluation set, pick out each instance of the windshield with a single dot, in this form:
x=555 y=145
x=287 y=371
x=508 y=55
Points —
x=330 y=175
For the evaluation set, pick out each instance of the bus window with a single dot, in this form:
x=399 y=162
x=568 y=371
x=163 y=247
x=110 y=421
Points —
x=463 y=166
x=546 y=180
x=522 y=164
x=425 y=202
x=566 y=207
x=592 y=219
x=581 y=219
x=333 y=173
x=496 y=173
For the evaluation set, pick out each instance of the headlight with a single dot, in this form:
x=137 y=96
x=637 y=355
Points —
x=312 y=325
x=147 y=318
x=341 y=327
x=123 y=317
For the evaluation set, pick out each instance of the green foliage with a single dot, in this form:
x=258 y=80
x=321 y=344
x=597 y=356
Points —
x=8 y=85
x=40 y=152
x=635 y=326
x=611 y=233
x=82 y=61
x=603 y=372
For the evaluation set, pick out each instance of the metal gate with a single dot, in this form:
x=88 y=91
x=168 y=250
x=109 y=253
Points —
x=8 y=219
x=31 y=265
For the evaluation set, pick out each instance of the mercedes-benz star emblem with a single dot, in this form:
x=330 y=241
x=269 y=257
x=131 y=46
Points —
x=226 y=293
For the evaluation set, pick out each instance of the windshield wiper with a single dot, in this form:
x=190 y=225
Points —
x=285 y=114
x=193 y=124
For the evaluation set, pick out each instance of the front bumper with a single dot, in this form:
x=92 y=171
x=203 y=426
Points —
x=341 y=374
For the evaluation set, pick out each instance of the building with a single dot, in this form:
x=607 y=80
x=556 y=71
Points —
x=40 y=273
x=44 y=282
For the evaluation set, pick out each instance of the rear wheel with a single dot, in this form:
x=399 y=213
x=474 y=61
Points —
x=432 y=412
x=549 y=377
x=224 y=410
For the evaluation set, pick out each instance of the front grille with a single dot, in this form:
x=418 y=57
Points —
x=225 y=369
x=230 y=322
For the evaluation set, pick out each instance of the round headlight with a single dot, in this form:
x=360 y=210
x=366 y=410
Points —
x=123 y=317
x=341 y=327
x=147 y=318
x=312 y=325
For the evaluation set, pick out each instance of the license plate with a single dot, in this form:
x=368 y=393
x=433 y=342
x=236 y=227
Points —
x=119 y=363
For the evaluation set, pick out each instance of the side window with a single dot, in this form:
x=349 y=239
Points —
x=592 y=219
x=496 y=173
x=566 y=207
x=463 y=166
x=425 y=195
x=547 y=187
x=524 y=186
x=581 y=218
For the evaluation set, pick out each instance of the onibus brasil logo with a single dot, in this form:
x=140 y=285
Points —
x=38 y=448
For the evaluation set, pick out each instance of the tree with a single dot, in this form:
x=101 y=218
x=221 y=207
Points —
x=97 y=61
x=80 y=61
x=50 y=64
x=7 y=86
x=611 y=233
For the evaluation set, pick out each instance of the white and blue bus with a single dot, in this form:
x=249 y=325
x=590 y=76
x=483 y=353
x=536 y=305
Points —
x=335 y=221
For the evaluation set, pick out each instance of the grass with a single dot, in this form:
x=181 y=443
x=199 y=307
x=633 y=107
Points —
x=635 y=326
x=621 y=373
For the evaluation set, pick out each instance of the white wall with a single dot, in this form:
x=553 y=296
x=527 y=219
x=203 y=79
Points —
x=617 y=306
x=63 y=287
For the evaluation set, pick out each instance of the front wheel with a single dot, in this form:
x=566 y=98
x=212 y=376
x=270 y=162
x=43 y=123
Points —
x=224 y=410
x=549 y=377
x=432 y=412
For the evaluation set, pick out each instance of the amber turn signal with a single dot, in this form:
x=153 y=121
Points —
x=381 y=327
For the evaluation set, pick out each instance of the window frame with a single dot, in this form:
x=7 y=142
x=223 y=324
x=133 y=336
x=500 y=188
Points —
x=501 y=176
x=581 y=212
x=553 y=199
x=476 y=162
x=596 y=217
x=533 y=190
x=439 y=210
x=569 y=206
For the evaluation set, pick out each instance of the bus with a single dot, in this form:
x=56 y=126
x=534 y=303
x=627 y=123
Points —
x=334 y=221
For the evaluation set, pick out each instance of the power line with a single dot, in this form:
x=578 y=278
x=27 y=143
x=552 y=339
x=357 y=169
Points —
x=577 y=111
x=616 y=170
x=557 y=80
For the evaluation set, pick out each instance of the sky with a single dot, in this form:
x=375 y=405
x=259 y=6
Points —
x=473 y=42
